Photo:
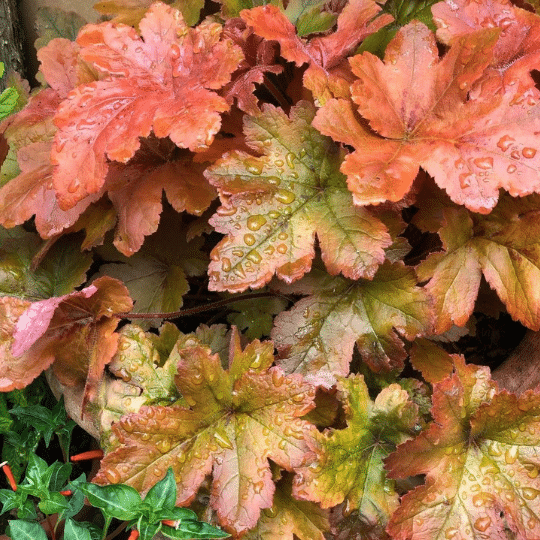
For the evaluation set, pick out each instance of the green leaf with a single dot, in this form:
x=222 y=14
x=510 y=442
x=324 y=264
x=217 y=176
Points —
x=116 y=500
x=76 y=501
x=276 y=204
x=188 y=530
x=8 y=101
x=54 y=23
x=63 y=268
x=348 y=463
x=26 y=530
x=74 y=531
x=54 y=503
x=163 y=494
x=147 y=530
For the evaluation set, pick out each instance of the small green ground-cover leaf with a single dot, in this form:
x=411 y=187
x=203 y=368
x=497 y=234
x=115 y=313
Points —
x=347 y=464
x=275 y=204
x=319 y=332
x=481 y=459
x=236 y=421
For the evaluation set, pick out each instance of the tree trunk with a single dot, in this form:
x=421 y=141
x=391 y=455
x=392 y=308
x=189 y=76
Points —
x=11 y=39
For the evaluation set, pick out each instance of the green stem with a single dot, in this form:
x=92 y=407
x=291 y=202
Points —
x=195 y=310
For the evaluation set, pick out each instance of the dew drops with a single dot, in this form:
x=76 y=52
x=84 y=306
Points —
x=482 y=523
x=269 y=250
x=254 y=256
x=113 y=476
x=485 y=163
x=284 y=196
x=282 y=248
x=282 y=444
x=74 y=185
x=528 y=152
x=227 y=211
x=254 y=223
x=505 y=142
x=249 y=239
x=226 y=264
x=483 y=499
x=451 y=533
x=511 y=455
x=515 y=154
x=511 y=169
x=465 y=180
x=222 y=439
x=530 y=493
x=279 y=163
x=254 y=167
x=238 y=252
x=289 y=158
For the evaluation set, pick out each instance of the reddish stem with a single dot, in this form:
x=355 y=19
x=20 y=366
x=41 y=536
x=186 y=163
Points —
x=90 y=454
x=195 y=310
x=9 y=475
x=134 y=535
x=169 y=522
x=66 y=492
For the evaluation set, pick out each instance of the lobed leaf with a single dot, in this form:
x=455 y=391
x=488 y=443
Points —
x=327 y=74
x=162 y=82
x=275 y=204
x=237 y=420
x=347 y=464
x=481 y=460
x=318 y=334
x=501 y=246
x=471 y=143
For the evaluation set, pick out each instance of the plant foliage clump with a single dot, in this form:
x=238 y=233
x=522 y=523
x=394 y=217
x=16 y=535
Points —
x=370 y=171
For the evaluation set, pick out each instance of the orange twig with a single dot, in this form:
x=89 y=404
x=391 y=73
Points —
x=9 y=475
x=134 y=535
x=66 y=492
x=91 y=454
x=170 y=523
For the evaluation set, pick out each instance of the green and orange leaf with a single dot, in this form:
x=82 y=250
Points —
x=501 y=246
x=236 y=420
x=317 y=335
x=481 y=460
x=275 y=204
x=347 y=464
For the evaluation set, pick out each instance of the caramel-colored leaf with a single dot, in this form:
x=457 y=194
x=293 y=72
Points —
x=422 y=113
x=318 y=334
x=237 y=420
x=275 y=204
x=290 y=518
x=502 y=246
x=517 y=50
x=163 y=81
x=328 y=74
x=481 y=459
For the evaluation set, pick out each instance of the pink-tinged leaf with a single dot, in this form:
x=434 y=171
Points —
x=317 y=335
x=16 y=373
x=481 y=459
x=347 y=464
x=327 y=74
x=162 y=82
x=275 y=204
x=237 y=420
x=517 y=51
x=471 y=144
x=27 y=173
x=75 y=331
x=502 y=246
x=62 y=67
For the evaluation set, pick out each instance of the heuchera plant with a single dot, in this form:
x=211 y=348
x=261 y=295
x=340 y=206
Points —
x=361 y=165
